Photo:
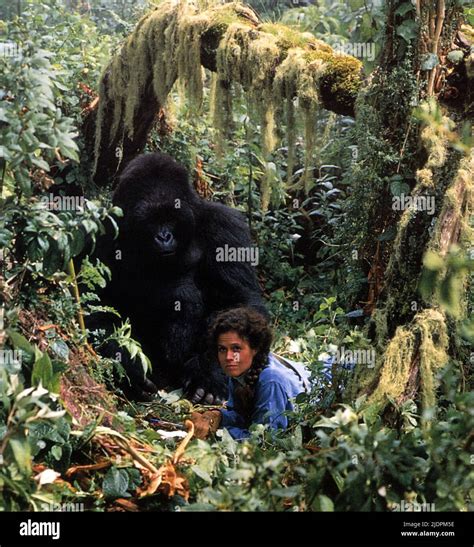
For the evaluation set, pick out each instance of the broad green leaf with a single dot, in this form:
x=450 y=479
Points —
x=429 y=61
x=204 y=475
x=428 y=282
x=407 y=30
x=61 y=349
x=20 y=448
x=456 y=56
x=239 y=474
x=57 y=452
x=398 y=186
x=288 y=492
x=115 y=483
x=42 y=371
x=40 y=163
x=404 y=8
x=21 y=343
x=134 y=477
x=323 y=503
x=450 y=291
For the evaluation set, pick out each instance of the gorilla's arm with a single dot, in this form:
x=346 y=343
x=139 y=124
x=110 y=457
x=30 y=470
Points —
x=137 y=385
x=227 y=280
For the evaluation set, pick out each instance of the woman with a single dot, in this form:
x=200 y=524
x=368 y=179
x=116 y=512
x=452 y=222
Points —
x=261 y=385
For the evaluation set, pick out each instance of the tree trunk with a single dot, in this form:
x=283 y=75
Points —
x=401 y=157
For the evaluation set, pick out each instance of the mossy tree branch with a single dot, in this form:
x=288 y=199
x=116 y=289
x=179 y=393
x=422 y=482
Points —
x=175 y=41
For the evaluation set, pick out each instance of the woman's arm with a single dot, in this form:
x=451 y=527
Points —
x=232 y=420
x=270 y=404
x=235 y=424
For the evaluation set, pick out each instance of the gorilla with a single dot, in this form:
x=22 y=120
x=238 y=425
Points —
x=168 y=277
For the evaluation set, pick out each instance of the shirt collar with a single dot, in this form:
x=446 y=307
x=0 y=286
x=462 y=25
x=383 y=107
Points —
x=241 y=379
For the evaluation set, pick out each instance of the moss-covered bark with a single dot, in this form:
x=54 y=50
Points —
x=422 y=157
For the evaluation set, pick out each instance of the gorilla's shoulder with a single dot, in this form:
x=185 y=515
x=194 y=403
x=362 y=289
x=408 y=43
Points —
x=220 y=212
x=222 y=223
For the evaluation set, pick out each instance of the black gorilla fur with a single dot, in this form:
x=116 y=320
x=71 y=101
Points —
x=166 y=279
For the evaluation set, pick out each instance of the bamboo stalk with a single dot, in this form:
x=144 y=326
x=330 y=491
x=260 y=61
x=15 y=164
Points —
x=77 y=296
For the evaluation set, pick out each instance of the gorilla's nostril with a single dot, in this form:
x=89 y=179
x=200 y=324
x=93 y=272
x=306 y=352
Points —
x=164 y=237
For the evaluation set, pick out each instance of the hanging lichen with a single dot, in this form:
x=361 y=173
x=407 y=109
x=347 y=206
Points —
x=190 y=71
x=433 y=353
x=146 y=57
x=164 y=38
x=297 y=77
x=291 y=139
x=280 y=69
x=436 y=144
x=221 y=110
x=424 y=340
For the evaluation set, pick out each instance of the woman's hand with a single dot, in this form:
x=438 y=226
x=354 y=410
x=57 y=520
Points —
x=205 y=423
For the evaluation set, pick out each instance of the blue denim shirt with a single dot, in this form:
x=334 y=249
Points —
x=276 y=386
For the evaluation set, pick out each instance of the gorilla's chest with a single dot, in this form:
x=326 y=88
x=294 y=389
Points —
x=165 y=300
x=170 y=319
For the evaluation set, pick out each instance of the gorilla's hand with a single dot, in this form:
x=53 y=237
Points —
x=204 y=382
x=136 y=385
x=141 y=388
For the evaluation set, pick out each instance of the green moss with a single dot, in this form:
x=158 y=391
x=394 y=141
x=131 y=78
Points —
x=425 y=342
x=342 y=71
x=288 y=37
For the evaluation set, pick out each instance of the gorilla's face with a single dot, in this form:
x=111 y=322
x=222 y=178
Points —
x=164 y=235
x=163 y=230
x=160 y=209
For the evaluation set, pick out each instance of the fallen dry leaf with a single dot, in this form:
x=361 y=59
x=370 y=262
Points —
x=92 y=467
x=127 y=505
x=174 y=482
x=167 y=481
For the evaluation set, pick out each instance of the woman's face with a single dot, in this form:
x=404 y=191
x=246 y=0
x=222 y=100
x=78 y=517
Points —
x=234 y=354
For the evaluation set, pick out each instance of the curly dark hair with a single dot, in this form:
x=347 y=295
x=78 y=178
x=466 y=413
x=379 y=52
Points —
x=254 y=329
